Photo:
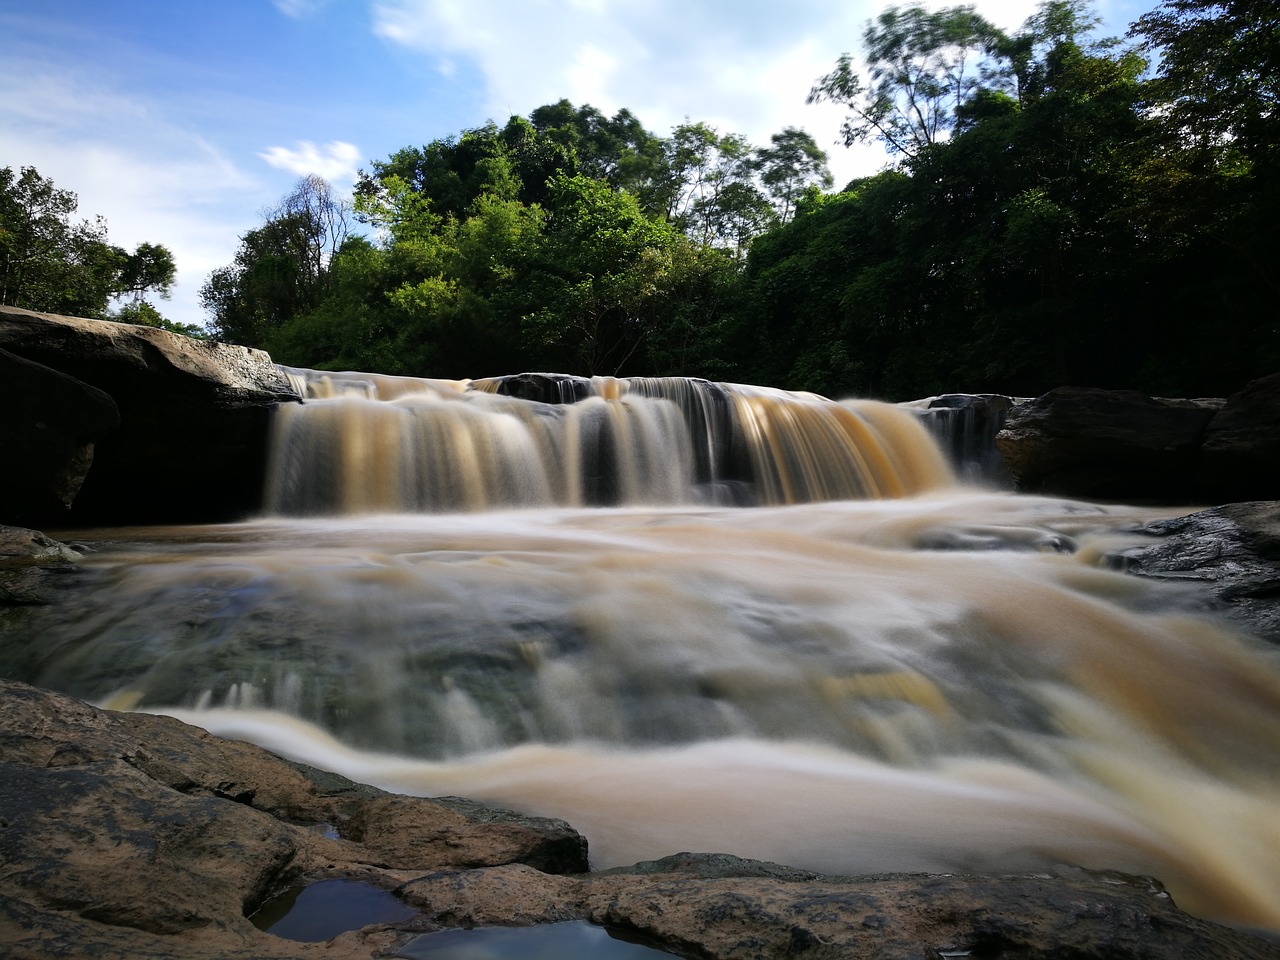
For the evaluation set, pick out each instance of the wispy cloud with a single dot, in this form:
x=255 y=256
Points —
x=337 y=161
x=297 y=9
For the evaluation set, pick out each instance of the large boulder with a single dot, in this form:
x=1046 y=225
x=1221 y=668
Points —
x=194 y=417
x=1107 y=445
x=136 y=836
x=1240 y=456
x=50 y=425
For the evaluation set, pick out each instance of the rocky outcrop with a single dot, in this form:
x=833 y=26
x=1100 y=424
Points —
x=194 y=416
x=136 y=836
x=1240 y=456
x=1232 y=552
x=1106 y=445
x=543 y=387
x=50 y=425
x=1123 y=445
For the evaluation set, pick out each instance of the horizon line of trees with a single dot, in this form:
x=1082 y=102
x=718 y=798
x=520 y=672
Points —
x=1054 y=210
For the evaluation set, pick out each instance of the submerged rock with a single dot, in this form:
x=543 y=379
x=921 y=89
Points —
x=30 y=566
x=137 y=836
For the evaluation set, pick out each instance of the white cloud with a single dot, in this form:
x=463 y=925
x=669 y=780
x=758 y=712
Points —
x=337 y=162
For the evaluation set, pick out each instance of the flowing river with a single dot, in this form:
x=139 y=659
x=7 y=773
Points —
x=671 y=621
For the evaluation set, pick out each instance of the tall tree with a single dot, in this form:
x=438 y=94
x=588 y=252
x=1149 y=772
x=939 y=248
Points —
x=281 y=268
x=1218 y=79
x=922 y=66
x=617 y=149
x=712 y=190
x=791 y=164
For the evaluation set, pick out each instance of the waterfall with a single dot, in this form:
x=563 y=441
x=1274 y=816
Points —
x=372 y=444
x=543 y=592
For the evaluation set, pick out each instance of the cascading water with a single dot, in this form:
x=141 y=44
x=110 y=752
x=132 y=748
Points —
x=872 y=669
x=366 y=444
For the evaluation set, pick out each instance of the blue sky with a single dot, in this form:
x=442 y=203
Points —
x=180 y=122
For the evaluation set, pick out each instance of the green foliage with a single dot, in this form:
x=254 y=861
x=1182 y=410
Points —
x=50 y=263
x=923 y=67
x=281 y=269
x=144 y=314
x=542 y=244
x=792 y=164
x=1056 y=216
x=1058 y=233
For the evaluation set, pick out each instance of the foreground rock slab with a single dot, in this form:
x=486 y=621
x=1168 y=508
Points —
x=137 y=836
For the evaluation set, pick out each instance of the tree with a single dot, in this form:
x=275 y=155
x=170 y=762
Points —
x=792 y=163
x=144 y=314
x=50 y=263
x=47 y=261
x=454 y=171
x=711 y=187
x=281 y=268
x=617 y=149
x=150 y=268
x=1218 y=79
x=923 y=66
x=601 y=275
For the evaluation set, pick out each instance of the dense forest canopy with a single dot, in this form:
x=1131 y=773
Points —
x=1056 y=208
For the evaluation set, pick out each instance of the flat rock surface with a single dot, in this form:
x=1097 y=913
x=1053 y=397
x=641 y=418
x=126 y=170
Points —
x=137 y=836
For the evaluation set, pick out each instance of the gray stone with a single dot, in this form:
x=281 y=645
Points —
x=30 y=566
x=1241 y=450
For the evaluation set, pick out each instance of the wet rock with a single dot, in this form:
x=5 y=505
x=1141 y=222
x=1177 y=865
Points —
x=194 y=416
x=137 y=836
x=965 y=426
x=1107 y=445
x=1231 y=551
x=542 y=387
x=1070 y=914
x=50 y=425
x=31 y=565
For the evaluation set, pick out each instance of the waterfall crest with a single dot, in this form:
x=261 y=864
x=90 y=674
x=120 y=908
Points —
x=363 y=443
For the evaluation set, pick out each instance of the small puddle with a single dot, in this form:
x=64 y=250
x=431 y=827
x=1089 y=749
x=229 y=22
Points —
x=577 y=940
x=326 y=908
